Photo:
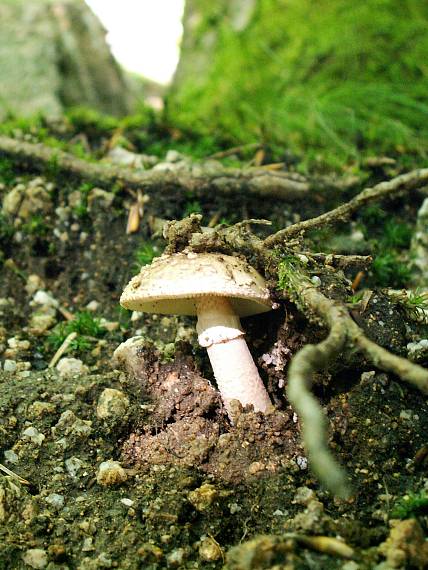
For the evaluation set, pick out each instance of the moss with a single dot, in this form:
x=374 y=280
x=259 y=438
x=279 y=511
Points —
x=145 y=254
x=335 y=79
x=84 y=324
x=411 y=505
x=389 y=271
x=7 y=174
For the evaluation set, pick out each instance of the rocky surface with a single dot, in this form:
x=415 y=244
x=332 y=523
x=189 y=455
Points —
x=54 y=55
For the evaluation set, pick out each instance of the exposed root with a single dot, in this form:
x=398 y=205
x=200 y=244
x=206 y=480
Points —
x=249 y=181
x=391 y=188
x=343 y=334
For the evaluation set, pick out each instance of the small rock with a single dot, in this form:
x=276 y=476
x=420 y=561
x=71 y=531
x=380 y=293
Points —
x=56 y=501
x=99 y=200
x=112 y=403
x=73 y=465
x=11 y=456
x=9 y=365
x=44 y=298
x=173 y=156
x=35 y=558
x=69 y=367
x=93 y=306
x=209 y=550
x=119 y=155
x=42 y=320
x=203 y=497
x=34 y=435
x=34 y=282
x=111 y=473
x=176 y=557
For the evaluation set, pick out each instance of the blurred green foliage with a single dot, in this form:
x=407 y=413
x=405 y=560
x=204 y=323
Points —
x=333 y=79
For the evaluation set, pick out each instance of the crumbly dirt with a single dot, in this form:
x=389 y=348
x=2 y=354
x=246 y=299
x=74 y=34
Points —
x=195 y=486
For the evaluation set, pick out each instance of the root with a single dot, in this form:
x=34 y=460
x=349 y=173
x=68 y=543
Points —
x=344 y=333
x=391 y=188
x=258 y=182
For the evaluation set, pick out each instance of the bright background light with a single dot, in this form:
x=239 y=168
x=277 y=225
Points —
x=144 y=35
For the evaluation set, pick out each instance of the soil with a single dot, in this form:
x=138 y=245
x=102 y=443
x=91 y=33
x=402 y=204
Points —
x=134 y=464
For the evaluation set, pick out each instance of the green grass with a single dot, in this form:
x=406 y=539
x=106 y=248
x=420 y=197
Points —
x=87 y=327
x=332 y=83
x=411 y=506
x=145 y=254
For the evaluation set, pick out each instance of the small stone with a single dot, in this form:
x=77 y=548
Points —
x=73 y=466
x=150 y=552
x=203 y=497
x=93 y=306
x=55 y=500
x=11 y=456
x=111 y=473
x=127 y=502
x=9 y=366
x=34 y=282
x=256 y=467
x=70 y=367
x=33 y=435
x=39 y=409
x=173 y=156
x=209 y=550
x=99 y=200
x=42 y=320
x=176 y=557
x=44 y=298
x=112 y=403
x=35 y=558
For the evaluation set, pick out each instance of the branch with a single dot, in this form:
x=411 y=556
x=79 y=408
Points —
x=314 y=357
x=250 y=181
x=391 y=188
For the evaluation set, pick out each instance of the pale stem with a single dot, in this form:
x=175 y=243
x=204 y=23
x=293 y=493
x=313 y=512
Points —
x=237 y=377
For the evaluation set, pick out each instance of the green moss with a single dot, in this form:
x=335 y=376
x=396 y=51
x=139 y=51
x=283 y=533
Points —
x=7 y=174
x=389 y=271
x=335 y=80
x=36 y=226
x=145 y=254
x=411 y=505
x=84 y=324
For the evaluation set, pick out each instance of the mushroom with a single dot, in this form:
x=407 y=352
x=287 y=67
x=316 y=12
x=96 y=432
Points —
x=218 y=289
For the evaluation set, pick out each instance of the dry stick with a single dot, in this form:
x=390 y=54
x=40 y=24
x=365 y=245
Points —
x=251 y=181
x=314 y=357
x=410 y=181
x=314 y=424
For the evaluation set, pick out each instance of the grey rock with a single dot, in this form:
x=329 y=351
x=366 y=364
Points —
x=53 y=54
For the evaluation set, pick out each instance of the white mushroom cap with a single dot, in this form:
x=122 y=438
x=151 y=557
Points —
x=172 y=283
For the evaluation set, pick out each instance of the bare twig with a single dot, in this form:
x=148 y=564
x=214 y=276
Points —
x=62 y=349
x=249 y=181
x=391 y=188
x=314 y=357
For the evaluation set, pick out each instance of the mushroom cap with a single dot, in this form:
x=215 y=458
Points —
x=172 y=284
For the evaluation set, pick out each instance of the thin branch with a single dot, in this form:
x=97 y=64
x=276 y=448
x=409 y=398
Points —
x=249 y=181
x=342 y=329
x=391 y=188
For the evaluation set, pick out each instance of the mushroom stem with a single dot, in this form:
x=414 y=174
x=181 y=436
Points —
x=237 y=377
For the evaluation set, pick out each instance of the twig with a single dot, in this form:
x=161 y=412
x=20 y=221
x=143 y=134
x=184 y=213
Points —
x=13 y=475
x=235 y=150
x=410 y=181
x=250 y=181
x=340 y=261
x=314 y=357
x=62 y=349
